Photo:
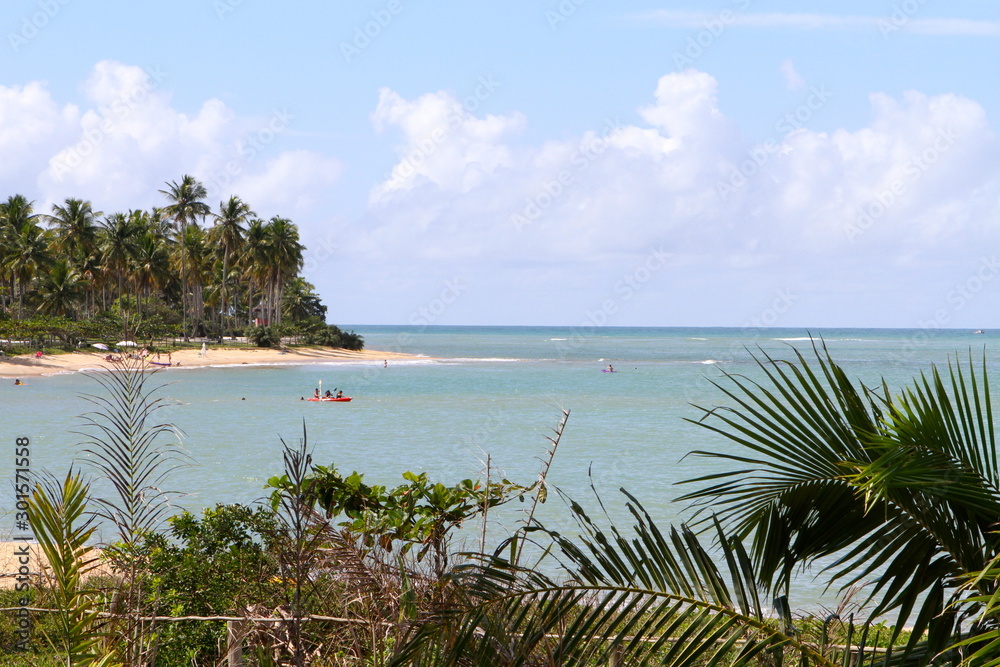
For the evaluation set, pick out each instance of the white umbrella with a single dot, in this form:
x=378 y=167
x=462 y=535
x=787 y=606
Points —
x=126 y=343
x=99 y=346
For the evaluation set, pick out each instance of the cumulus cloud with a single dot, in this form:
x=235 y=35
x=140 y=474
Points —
x=628 y=223
x=921 y=176
x=443 y=143
x=119 y=146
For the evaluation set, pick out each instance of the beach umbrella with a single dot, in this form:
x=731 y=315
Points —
x=126 y=343
x=99 y=346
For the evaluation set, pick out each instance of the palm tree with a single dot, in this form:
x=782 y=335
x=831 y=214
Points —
x=903 y=490
x=299 y=301
x=118 y=245
x=76 y=228
x=76 y=233
x=194 y=249
x=284 y=254
x=185 y=207
x=150 y=264
x=227 y=235
x=60 y=289
x=650 y=598
x=25 y=245
x=254 y=260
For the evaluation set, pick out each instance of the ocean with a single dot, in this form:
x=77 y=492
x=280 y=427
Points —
x=475 y=393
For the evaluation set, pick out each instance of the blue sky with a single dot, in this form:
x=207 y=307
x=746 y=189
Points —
x=737 y=163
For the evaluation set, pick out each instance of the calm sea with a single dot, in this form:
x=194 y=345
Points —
x=475 y=393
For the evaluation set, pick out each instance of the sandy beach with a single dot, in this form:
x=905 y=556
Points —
x=28 y=366
x=13 y=559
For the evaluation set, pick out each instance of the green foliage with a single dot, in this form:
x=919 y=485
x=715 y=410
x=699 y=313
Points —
x=900 y=490
x=56 y=513
x=419 y=513
x=649 y=598
x=218 y=565
x=125 y=445
x=264 y=336
x=332 y=336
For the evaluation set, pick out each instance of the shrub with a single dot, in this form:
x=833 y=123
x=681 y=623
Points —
x=332 y=336
x=264 y=337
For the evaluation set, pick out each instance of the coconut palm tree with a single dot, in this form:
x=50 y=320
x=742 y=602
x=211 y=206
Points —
x=227 y=236
x=299 y=301
x=118 y=245
x=150 y=264
x=25 y=245
x=185 y=207
x=61 y=289
x=284 y=254
x=900 y=491
x=76 y=228
x=254 y=259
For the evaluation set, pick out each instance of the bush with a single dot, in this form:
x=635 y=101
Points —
x=264 y=337
x=218 y=565
x=333 y=336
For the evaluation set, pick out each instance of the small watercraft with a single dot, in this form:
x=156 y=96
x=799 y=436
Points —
x=342 y=399
x=978 y=331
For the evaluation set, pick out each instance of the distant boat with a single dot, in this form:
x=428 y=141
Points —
x=978 y=331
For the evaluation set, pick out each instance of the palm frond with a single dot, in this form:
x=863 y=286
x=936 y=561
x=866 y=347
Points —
x=639 y=599
x=900 y=489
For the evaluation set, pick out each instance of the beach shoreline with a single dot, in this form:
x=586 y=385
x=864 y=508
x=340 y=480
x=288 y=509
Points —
x=25 y=366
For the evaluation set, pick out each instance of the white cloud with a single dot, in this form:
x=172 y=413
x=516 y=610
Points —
x=574 y=216
x=443 y=144
x=128 y=140
x=793 y=80
x=554 y=230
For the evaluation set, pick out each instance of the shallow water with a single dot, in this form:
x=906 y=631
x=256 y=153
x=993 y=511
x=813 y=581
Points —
x=478 y=391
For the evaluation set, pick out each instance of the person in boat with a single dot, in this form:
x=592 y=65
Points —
x=611 y=369
x=340 y=394
x=17 y=382
x=328 y=394
x=316 y=392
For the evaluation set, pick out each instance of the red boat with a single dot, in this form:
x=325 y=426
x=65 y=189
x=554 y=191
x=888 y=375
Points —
x=342 y=399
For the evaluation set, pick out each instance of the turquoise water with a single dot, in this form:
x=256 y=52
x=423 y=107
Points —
x=475 y=391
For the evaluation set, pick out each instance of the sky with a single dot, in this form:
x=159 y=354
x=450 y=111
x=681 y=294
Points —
x=736 y=163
